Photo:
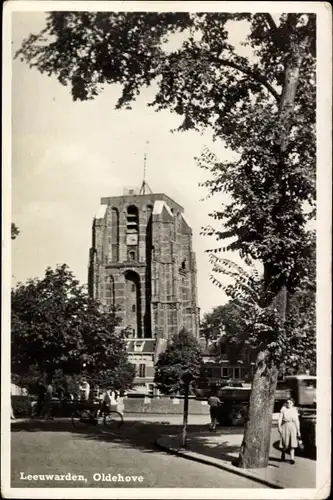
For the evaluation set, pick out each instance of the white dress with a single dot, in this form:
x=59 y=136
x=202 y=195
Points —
x=289 y=427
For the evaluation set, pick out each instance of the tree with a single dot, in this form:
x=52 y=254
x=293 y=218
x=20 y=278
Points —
x=119 y=378
x=178 y=367
x=294 y=348
x=225 y=326
x=212 y=325
x=263 y=107
x=56 y=326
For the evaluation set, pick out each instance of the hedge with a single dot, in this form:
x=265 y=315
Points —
x=21 y=406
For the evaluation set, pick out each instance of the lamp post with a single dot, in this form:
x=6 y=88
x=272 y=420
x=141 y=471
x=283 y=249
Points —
x=186 y=378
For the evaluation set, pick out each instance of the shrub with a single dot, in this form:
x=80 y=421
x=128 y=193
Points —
x=21 y=406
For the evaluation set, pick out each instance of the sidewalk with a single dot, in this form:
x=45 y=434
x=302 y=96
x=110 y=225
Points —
x=219 y=449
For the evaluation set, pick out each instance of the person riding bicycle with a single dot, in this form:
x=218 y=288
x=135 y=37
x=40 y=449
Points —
x=106 y=402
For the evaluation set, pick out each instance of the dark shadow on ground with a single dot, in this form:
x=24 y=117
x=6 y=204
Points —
x=221 y=450
x=133 y=434
x=306 y=454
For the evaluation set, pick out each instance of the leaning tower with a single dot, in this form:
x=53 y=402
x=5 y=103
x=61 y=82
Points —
x=142 y=262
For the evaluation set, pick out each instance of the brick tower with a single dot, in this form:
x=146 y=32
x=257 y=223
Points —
x=142 y=262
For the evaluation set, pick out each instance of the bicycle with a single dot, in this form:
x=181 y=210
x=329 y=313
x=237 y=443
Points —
x=86 y=417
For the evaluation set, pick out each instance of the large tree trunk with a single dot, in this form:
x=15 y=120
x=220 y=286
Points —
x=254 y=452
x=185 y=416
x=256 y=441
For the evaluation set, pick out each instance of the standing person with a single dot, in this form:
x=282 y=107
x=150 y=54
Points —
x=289 y=429
x=107 y=401
x=84 y=389
x=214 y=403
x=40 y=398
x=48 y=399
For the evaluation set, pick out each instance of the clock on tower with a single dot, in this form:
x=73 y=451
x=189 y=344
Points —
x=132 y=239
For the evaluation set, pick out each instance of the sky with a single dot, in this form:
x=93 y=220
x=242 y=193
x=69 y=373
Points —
x=67 y=155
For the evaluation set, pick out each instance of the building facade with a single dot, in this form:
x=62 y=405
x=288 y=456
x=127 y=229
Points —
x=142 y=262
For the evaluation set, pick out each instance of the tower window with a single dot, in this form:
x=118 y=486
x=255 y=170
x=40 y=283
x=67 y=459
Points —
x=132 y=219
x=132 y=255
x=133 y=308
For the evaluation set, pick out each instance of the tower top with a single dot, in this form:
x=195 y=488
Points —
x=145 y=189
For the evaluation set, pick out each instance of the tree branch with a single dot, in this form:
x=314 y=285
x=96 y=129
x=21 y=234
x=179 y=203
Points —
x=291 y=22
x=255 y=76
x=270 y=21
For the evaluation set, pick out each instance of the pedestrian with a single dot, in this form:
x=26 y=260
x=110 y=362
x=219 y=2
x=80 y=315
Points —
x=33 y=407
x=214 y=403
x=289 y=429
x=84 y=389
x=40 y=398
x=107 y=401
x=47 y=402
x=61 y=393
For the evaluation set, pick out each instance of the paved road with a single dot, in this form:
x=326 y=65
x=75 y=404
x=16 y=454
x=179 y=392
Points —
x=55 y=448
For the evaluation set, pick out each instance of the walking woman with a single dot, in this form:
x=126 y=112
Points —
x=289 y=429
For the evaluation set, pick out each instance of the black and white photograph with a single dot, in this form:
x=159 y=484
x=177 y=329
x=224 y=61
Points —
x=166 y=250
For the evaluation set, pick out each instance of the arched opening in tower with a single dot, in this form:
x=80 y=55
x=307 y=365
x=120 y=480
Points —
x=110 y=292
x=133 y=303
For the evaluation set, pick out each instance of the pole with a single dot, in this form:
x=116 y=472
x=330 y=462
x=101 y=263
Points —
x=185 y=415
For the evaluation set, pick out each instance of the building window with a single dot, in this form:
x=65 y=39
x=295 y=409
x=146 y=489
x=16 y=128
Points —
x=216 y=372
x=142 y=370
x=209 y=371
x=225 y=372
x=133 y=308
x=237 y=373
x=138 y=346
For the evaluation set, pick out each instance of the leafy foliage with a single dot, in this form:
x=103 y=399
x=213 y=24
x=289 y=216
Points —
x=20 y=406
x=212 y=325
x=179 y=364
x=226 y=328
x=265 y=117
x=120 y=377
x=56 y=326
x=247 y=322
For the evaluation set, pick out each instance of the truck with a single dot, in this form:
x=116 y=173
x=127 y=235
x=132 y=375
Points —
x=235 y=398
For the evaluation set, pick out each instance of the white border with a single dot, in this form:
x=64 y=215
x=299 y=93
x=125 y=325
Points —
x=324 y=136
